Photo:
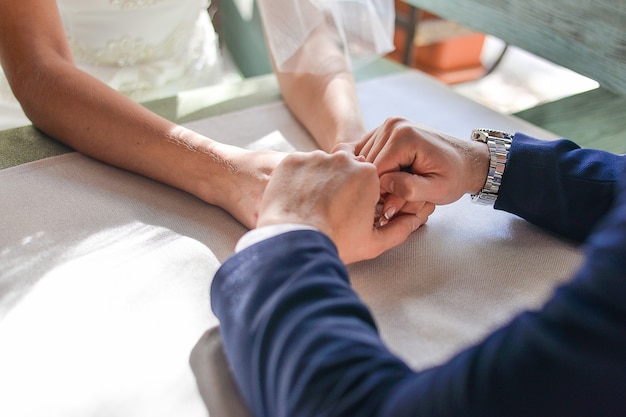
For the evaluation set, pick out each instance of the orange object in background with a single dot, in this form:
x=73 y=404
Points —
x=443 y=49
x=454 y=60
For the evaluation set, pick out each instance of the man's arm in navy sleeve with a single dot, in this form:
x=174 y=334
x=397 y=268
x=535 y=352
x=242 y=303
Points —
x=559 y=186
x=292 y=327
x=301 y=343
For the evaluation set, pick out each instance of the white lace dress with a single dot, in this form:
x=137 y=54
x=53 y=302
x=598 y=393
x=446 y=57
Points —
x=146 y=49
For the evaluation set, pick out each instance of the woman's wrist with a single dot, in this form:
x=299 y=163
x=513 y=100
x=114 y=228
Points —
x=192 y=162
x=212 y=172
x=234 y=179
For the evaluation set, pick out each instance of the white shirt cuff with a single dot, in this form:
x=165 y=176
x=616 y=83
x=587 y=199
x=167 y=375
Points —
x=266 y=232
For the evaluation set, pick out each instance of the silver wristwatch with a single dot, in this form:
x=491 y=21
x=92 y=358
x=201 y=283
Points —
x=499 y=144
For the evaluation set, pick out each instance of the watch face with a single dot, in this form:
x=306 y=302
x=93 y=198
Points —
x=484 y=198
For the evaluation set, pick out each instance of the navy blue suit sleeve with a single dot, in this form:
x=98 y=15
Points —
x=559 y=186
x=301 y=343
x=293 y=327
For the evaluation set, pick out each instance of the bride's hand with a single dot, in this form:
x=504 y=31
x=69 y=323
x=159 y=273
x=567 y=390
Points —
x=391 y=206
x=242 y=186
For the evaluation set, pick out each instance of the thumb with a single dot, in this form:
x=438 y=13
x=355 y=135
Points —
x=409 y=187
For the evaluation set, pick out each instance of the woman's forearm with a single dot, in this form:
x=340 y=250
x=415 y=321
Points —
x=94 y=119
x=318 y=86
x=82 y=112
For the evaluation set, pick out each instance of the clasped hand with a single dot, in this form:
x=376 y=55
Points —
x=410 y=166
x=336 y=193
x=417 y=164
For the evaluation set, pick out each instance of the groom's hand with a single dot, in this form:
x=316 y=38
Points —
x=337 y=194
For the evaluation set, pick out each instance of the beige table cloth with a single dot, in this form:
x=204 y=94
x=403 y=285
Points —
x=104 y=275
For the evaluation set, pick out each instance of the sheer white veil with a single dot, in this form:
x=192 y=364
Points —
x=364 y=28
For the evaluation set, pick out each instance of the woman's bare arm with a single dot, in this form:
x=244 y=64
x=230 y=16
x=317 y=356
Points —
x=86 y=114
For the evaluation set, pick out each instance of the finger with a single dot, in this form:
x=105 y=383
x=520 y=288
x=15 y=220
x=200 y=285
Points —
x=425 y=212
x=395 y=205
x=392 y=205
x=365 y=145
x=359 y=149
x=378 y=143
x=413 y=207
x=410 y=187
x=393 y=158
x=395 y=232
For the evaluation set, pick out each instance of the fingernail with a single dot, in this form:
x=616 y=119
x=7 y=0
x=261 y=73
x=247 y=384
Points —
x=382 y=222
x=390 y=212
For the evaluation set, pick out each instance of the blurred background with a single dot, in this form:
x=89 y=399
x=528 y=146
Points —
x=482 y=67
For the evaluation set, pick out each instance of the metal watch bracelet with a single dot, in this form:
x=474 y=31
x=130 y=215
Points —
x=499 y=144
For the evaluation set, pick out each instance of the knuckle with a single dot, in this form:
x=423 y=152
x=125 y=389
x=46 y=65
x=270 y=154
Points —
x=341 y=155
x=404 y=130
x=292 y=160
x=409 y=193
x=394 y=120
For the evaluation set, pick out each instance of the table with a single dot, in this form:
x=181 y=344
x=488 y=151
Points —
x=104 y=275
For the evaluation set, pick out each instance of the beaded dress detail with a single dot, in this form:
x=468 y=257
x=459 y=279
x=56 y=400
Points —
x=146 y=49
